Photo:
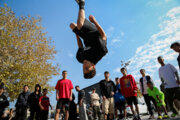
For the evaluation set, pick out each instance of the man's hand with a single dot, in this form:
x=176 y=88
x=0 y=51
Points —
x=57 y=98
x=92 y=19
x=112 y=93
x=104 y=98
x=80 y=103
x=91 y=105
x=51 y=107
x=70 y=99
x=42 y=108
x=135 y=91
x=178 y=82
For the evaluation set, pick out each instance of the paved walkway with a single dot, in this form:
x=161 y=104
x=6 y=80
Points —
x=147 y=116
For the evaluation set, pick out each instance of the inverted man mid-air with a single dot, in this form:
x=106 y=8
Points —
x=94 y=38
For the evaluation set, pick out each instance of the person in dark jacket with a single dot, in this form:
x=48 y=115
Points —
x=33 y=101
x=3 y=102
x=107 y=88
x=22 y=104
x=82 y=104
x=73 y=109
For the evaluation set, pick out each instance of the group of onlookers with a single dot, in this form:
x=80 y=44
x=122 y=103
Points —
x=38 y=104
x=114 y=96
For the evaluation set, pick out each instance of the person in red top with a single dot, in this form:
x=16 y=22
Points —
x=63 y=95
x=44 y=104
x=129 y=90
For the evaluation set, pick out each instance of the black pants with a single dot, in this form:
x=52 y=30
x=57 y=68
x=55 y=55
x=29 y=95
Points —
x=44 y=115
x=148 y=100
x=72 y=111
x=21 y=114
x=171 y=94
x=36 y=113
x=96 y=112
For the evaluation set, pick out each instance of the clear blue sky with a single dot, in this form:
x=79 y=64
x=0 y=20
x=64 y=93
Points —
x=137 y=30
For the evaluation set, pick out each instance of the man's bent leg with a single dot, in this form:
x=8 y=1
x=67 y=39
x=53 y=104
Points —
x=66 y=115
x=169 y=94
x=81 y=19
x=57 y=114
x=148 y=103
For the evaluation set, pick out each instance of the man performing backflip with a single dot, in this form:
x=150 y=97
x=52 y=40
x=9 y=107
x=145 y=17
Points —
x=94 y=39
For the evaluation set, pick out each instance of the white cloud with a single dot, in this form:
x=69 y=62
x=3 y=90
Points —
x=110 y=31
x=157 y=3
x=117 y=70
x=168 y=1
x=70 y=55
x=99 y=74
x=122 y=34
x=158 y=45
x=115 y=39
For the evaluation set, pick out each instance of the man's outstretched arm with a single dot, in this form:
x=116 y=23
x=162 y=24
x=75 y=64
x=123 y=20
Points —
x=101 y=31
x=79 y=42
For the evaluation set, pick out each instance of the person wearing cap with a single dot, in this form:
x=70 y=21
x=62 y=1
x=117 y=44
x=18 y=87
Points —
x=95 y=104
x=3 y=101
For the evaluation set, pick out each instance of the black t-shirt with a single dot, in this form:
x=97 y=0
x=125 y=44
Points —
x=178 y=59
x=106 y=88
x=93 y=52
x=81 y=95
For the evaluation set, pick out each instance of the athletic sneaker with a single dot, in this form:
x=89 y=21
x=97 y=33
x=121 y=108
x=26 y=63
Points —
x=151 y=117
x=159 y=117
x=80 y=1
x=138 y=118
x=173 y=115
x=165 y=116
x=135 y=118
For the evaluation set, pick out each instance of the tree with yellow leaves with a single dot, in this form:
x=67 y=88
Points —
x=26 y=54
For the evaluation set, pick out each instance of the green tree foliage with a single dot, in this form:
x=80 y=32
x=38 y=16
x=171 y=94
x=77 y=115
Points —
x=26 y=54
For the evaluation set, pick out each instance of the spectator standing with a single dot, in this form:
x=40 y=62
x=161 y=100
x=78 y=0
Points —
x=143 y=87
x=63 y=95
x=4 y=103
x=107 y=89
x=120 y=103
x=44 y=104
x=82 y=104
x=22 y=104
x=129 y=90
x=169 y=75
x=33 y=101
x=95 y=104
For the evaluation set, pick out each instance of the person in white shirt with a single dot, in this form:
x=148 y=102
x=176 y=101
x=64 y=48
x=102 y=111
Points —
x=95 y=104
x=169 y=75
x=143 y=87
